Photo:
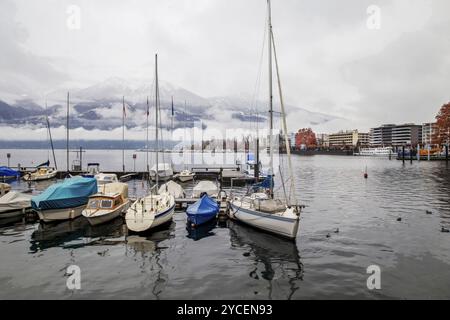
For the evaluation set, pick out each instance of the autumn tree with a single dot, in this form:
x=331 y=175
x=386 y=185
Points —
x=305 y=137
x=442 y=134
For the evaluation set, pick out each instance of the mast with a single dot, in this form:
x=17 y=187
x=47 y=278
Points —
x=146 y=143
x=156 y=119
x=270 y=91
x=291 y=196
x=50 y=135
x=67 y=134
x=123 y=134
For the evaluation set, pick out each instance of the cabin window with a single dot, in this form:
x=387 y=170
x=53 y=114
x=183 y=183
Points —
x=93 y=204
x=117 y=202
x=107 y=203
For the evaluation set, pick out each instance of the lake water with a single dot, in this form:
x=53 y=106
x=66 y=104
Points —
x=227 y=260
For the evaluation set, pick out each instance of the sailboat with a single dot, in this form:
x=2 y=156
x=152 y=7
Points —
x=158 y=207
x=261 y=209
x=44 y=171
x=186 y=174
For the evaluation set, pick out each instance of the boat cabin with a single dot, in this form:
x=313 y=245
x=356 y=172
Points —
x=102 y=201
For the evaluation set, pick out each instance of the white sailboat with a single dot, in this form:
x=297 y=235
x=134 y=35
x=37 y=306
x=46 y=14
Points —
x=44 y=172
x=156 y=208
x=186 y=174
x=260 y=209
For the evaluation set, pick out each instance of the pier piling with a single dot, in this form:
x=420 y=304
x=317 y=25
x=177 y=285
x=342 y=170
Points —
x=446 y=153
x=403 y=154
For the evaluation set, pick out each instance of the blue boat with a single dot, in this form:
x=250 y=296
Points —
x=7 y=173
x=65 y=200
x=202 y=211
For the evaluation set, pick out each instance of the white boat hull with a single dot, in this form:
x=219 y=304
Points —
x=143 y=220
x=40 y=177
x=103 y=216
x=60 y=214
x=186 y=178
x=283 y=225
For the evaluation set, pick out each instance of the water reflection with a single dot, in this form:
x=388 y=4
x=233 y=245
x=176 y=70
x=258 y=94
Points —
x=75 y=234
x=274 y=259
x=202 y=231
x=148 y=252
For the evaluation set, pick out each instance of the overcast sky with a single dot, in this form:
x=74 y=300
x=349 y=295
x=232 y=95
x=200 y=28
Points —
x=330 y=61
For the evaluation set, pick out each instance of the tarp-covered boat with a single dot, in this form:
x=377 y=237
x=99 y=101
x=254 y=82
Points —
x=6 y=172
x=14 y=204
x=64 y=200
x=202 y=211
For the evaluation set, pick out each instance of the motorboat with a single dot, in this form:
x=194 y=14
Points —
x=108 y=204
x=174 y=189
x=164 y=171
x=105 y=178
x=65 y=200
x=14 y=204
x=205 y=187
x=93 y=169
x=202 y=211
x=186 y=175
x=7 y=173
x=4 y=188
x=43 y=173
x=375 y=152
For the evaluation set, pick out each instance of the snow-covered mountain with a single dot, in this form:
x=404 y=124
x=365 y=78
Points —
x=100 y=107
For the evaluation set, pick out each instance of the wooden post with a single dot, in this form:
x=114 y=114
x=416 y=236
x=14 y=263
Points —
x=446 y=153
x=403 y=154
x=411 y=154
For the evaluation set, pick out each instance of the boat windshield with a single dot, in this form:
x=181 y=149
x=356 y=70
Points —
x=100 y=204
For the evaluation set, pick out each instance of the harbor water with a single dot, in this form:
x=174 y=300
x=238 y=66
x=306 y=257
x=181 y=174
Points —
x=392 y=220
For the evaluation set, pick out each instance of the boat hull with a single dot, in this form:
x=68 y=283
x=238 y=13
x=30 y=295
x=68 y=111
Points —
x=40 y=177
x=14 y=213
x=106 y=216
x=199 y=219
x=60 y=214
x=284 y=226
x=186 y=178
x=138 y=221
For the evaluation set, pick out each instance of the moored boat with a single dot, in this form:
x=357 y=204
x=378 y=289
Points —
x=105 y=178
x=14 y=204
x=108 y=204
x=173 y=189
x=65 y=200
x=4 y=188
x=7 y=173
x=163 y=170
x=43 y=173
x=202 y=211
x=186 y=175
x=205 y=187
x=263 y=210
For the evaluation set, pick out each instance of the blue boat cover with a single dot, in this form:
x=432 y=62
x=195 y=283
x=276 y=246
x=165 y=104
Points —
x=266 y=184
x=8 y=172
x=70 y=193
x=204 y=206
x=250 y=157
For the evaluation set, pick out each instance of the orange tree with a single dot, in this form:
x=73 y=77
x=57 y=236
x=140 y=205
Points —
x=443 y=124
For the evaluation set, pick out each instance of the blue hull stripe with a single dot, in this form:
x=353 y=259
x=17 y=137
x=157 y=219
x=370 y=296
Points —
x=165 y=212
